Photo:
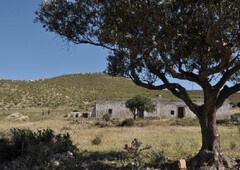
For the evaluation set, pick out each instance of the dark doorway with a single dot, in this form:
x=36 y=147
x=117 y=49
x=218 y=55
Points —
x=180 y=112
x=110 y=111
x=85 y=115
x=141 y=114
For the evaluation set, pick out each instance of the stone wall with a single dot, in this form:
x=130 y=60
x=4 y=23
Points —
x=164 y=109
x=116 y=107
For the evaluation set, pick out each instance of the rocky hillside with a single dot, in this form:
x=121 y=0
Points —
x=76 y=90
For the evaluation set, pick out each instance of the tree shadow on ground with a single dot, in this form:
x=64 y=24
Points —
x=103 y=160
x=114 y=160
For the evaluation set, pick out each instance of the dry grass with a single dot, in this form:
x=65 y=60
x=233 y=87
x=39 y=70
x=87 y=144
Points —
x=175 y=141
x=235 y=110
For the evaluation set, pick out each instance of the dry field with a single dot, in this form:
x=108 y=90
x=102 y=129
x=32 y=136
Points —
x=175 y=141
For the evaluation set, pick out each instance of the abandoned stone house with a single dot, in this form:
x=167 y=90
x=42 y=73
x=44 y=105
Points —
x=164 y=109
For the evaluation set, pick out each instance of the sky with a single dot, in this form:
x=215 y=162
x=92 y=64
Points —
x=28 y=52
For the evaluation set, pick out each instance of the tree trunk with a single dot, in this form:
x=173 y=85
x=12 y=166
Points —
x=210 y=154
x=134 y=116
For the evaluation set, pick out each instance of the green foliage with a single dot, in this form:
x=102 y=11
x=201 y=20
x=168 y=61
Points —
x=128 y=122
x=27 y=149
x=199 y=37
x=116 y=65
x=97 y=140
x=107 y=117
x=137 y=153
x=225 y=122
x=101 y=124
x=140 y=104
x=185 y=122
x=232 y=145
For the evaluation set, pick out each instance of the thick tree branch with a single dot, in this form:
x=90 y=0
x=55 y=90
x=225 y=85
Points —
x=225 y=93
x=227 y=76
x=175 y=88
x=183 y=76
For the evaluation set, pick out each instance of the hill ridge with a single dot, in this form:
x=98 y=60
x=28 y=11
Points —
x=78 y=90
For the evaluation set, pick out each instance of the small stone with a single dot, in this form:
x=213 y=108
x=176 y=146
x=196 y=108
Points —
x=182 y=164
x=69 y=153
x=56 y=164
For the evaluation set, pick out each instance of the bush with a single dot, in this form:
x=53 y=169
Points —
x=233 y=145
x=101 y=124
x=185 y=122
x=142 y=155
x=26 y=149
x=128 y=122
x=107 y=117
x=7 y=150
x=225 y=122
x=97 y=140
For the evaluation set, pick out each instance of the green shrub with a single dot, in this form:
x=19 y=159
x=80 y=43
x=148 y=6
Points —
x=233 y=145
x=185 y=122
x=142 y=155
x=97 y=140
x=128 y=122
x=6 y=150
x=107 y=117
x=26 y=149
x=101 y=124
x=225 y=122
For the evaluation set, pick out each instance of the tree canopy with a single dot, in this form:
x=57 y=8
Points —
x=192 y=40
x=138 y=104
x=155 y=42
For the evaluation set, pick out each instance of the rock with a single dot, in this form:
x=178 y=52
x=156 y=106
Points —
x=24 y=118
x=56 y=164
x=14 y=116
x=69 y=153
x=17 y=117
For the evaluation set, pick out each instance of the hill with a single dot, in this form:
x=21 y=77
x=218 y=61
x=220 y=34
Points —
x=76 y=90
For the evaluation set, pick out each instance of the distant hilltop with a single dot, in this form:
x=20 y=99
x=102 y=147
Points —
x=75 y=90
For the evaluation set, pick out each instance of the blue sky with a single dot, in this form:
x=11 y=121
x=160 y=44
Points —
x=28 y=52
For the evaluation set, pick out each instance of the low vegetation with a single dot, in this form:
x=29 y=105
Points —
x=173 y=138
x=174 y=141
x=77 y=91
x=97 y=140
x=128 y=122
x=186 y=122
x=24 y=149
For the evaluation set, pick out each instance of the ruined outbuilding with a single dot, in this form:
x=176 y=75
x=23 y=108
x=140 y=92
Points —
x=164 y=109
x=78 y=114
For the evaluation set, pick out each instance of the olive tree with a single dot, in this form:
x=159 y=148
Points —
x=160 y=41
x=138 y=104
